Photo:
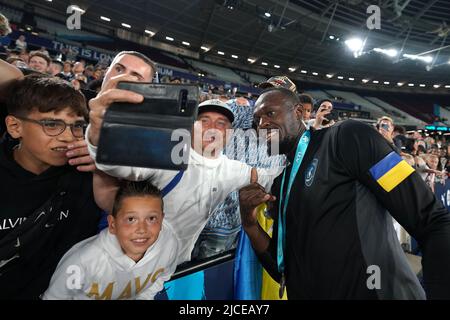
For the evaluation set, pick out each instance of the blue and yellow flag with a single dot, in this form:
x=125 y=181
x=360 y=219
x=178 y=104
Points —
x=251 y=281
x=391 y=171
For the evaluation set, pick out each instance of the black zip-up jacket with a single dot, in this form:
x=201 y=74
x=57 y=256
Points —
x=340 y=242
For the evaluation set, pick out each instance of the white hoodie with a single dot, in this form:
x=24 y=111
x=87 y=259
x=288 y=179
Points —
x=97 y=268
x=204 y=185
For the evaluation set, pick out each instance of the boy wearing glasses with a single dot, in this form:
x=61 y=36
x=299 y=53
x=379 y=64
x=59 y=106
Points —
x=47 y=205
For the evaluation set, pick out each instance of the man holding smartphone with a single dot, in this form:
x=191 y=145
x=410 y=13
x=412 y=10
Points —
x=385 y=127
x=323 y=113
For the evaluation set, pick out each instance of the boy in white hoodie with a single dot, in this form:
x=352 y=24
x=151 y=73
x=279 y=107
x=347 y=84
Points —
x=131 y=259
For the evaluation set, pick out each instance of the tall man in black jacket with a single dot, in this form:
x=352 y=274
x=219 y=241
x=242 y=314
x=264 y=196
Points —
x=336 y=235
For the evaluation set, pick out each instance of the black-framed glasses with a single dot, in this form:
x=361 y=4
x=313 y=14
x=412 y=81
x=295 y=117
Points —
x=55 y=127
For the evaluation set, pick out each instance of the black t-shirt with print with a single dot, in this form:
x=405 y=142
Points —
x=22 y=193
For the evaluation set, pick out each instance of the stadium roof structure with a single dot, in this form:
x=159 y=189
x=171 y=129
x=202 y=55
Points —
x=288 y=36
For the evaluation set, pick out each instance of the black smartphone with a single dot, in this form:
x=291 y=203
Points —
x=333 y=115
x=154 y=133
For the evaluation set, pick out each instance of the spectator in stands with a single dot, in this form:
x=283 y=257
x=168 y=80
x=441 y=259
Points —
x=385 y=126
x=89 y=73
x=39 y=62
x=21 y=43
x=434 y=149
x=5 y=28
x=25 y=56
x=139 y=245
x=98 y=74
x=78 y=68
x=56 y=67
x=321 y=121
x=67 y=74
x=46 y=121
x=307 y=102
x=398 y=136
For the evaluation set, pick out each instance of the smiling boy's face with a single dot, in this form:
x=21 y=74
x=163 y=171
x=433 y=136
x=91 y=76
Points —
x=37 y=151
x=137 y=224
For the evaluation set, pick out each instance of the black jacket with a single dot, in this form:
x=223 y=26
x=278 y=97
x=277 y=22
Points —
x=339 y=229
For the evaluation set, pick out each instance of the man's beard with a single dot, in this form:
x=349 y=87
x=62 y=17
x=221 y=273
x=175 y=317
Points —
x=285 y=146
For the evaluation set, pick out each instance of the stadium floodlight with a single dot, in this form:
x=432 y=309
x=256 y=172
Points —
x=204 y=48
x=315 y=74
x=234 y=56
x=340 y=77
x=386 y=82
x=276 y=66
x=331 y=37
x=389 y=52
x=170 y=38
x=436 y=86
x=251 y=60
x=267 y=14
x=351 y=79
x=410 y=84
x=150 y=32
x=356 y=45
x=304 y=71
x=329 y=75
x=400 y=84
x=221 y=53
x=186 y=43
x=447 y=86
x=422 y=85
x=376 y=81
x=105 y=18
x=427 y=59
x=365 y=80
x=126 y=25
x=264 y=63
x=292 y=69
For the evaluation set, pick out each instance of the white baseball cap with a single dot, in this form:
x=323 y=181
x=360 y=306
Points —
x=217 y=106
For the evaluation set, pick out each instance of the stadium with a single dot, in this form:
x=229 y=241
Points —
x=352 y=96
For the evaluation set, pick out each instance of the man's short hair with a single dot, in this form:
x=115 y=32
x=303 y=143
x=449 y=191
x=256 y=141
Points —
x=135 y=189
x=141 y=56
x=385 y=118
x=399 y=129
x=44 y=94
x=325 y=100
x=42 y=55
x=289 y=96
x=306 y=98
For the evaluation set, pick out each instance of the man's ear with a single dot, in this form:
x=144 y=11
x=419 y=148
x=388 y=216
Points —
x=111 y=224
x=298 y=109
x=14 y=126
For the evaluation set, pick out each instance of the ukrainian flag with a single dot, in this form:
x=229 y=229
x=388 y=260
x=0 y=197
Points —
x=251 y=281
x=391 y=171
